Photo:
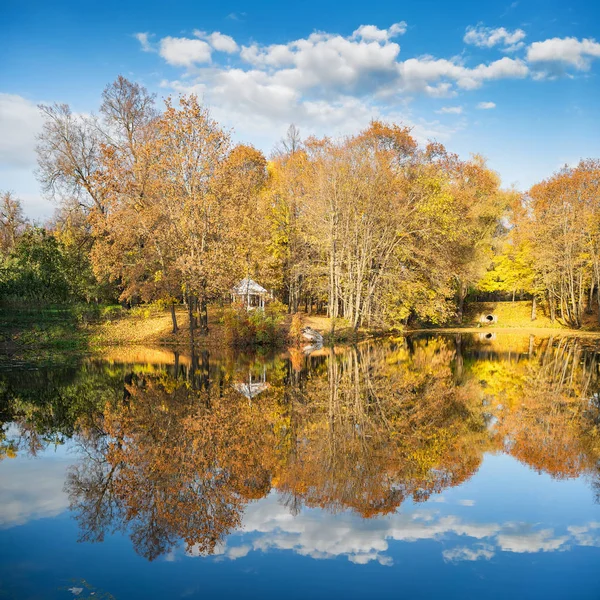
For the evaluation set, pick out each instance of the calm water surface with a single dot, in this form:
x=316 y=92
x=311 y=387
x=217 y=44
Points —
x=442 y=466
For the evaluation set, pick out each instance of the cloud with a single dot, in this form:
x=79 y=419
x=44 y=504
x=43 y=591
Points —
x=219 y=41
x=467 y=502
x=20 y=122
x=318 y=534
x=586 y=535
x=371 y=33
x=521 y=539
x=564 y=51
x=261 y=111
x=464 y=553
x=487 y=37
x=221 y=550
x=238 y=552
x=486 y=105
x=328 y=66
x=184 y=52
x=326 y=83
x=32 y=490
x=144 y=40
x=419 y=73
x=450 y=110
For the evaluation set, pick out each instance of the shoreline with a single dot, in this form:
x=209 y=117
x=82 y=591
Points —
x=42 y=334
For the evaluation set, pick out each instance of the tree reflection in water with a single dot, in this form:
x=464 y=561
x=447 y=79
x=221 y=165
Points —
x=177 y=453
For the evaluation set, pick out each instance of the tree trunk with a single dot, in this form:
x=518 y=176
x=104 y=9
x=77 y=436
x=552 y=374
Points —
x=552 y=308
x=459 y=360
x=197 y=316
x=191 y=319
x=533 y=308
x=531 y=345
x=203 y=316
x=598 y=298
x=174 y=318
x=462 y=292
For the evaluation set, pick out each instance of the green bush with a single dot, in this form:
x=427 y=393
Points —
x=42 y=269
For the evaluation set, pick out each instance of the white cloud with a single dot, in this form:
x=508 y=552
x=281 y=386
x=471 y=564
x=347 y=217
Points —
x=276 y=55
x=238 y=552
x=144 y=40
x=328 y=84
x=322 y=535
x=329 y=66
x=371 y=33
x=418 y=73
x=566 y=51
x=467 y=502
x=486 y=105
x=184 y=52
x=20 y=122
x=505 y=68
x=487 y=37
x=464 y=553
x=523 y=540
x=450 y=110
x=219 y=41
x=586 y=535
x=32 y=490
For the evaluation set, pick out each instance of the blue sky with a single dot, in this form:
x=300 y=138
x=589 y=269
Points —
x=514 y=81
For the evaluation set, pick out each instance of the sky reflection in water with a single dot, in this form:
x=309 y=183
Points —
x=440 y=465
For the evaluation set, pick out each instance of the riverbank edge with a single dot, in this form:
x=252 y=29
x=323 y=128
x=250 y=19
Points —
x=153 y=328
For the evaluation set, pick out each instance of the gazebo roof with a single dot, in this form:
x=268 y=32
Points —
x=250 y=390
x=248 y=286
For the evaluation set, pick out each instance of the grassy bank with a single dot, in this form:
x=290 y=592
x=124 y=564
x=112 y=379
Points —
x=44 y=331
x=509 y=314
x=152 y=326
x=518 y=315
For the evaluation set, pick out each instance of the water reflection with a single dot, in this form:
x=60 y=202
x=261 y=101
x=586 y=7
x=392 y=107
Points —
x=180 y=450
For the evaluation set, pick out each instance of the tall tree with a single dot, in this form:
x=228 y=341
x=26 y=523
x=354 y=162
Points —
x=12 y=221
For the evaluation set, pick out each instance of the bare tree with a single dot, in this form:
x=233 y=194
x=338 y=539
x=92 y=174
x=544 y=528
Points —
x=70 y=145
x=289 y=144
x=68 y=156
x=12 y=221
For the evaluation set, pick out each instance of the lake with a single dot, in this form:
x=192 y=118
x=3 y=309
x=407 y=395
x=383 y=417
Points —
x=462 y=466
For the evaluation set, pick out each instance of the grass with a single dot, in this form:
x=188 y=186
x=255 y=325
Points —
x=509 y=314
x=44 y=332
x=41 y=333
x=151 y=326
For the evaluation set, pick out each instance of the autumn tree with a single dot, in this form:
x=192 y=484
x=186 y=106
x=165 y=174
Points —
x=563 y=225
x=12 y=221
x=285 y=196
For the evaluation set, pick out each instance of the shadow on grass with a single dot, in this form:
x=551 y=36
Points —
x=45 y=332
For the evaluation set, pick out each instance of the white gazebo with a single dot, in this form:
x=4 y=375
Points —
x=250 y=294
x=253 y=386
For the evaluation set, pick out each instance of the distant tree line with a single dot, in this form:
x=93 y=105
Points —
x=372 y=228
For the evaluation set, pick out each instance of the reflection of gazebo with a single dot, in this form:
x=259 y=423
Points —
x=250 y=294
x=253 y=386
